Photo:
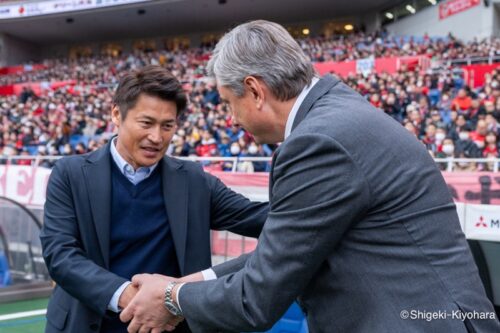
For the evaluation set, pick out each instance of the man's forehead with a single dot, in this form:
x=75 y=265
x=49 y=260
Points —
x=224 y=92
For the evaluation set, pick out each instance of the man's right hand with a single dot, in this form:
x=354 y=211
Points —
x=127 y=295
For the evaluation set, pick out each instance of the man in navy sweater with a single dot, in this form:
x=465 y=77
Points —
x=127 y=209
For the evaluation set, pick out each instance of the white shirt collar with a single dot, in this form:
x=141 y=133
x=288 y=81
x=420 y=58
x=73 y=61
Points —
x=135 y=176
x=296 y=106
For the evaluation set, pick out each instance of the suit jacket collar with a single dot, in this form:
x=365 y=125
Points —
x=321 y=88
x=97 y=172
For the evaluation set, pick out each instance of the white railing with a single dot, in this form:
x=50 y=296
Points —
x=470 y=61
x=451 y=163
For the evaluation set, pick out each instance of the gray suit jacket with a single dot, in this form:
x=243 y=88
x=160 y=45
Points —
x=75 y=234
x=361 y=228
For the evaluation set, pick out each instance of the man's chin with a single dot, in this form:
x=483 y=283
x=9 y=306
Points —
x=150 y=161
x=262 y=140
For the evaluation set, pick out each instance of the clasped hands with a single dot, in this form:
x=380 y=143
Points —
x=143 y=303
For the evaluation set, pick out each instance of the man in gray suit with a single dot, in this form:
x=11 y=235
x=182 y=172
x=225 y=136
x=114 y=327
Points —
x=361 y=230
x=127 y=209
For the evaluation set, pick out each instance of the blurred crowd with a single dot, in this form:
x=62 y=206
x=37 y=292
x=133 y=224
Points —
x=447 y=116
x=380 y=45
x=437 y=107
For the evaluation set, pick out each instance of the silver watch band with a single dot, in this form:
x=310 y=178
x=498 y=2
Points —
x=171 y=306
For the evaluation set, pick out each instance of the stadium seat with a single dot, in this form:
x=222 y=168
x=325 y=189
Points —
x=76 y=139
x=32 y=150
x=5 y=278
x=293 y=321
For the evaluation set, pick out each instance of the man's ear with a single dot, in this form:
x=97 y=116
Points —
x=115 y=115
x=255 y=88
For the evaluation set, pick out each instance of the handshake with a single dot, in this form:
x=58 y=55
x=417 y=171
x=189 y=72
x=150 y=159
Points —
x=143 y=303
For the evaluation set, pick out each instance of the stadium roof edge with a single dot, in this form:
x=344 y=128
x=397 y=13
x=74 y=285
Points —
x=167 y=17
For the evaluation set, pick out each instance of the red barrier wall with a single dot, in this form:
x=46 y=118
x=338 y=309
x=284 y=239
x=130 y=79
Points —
x=21 y=69
x=16 y=89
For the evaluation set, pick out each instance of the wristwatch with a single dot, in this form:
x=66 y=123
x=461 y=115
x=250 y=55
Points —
x=169 y=303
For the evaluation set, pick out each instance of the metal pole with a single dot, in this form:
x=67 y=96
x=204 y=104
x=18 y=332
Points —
x=235 y=163
x=450 y=165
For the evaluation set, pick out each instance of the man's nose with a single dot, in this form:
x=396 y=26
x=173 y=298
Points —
x=155 y=135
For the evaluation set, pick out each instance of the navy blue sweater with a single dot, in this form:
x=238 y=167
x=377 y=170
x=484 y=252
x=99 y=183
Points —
x=140 y=235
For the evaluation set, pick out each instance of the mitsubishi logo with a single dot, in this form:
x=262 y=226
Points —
x=481 y=223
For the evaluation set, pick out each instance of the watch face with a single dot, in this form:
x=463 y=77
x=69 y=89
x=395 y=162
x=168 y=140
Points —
x=170 y=307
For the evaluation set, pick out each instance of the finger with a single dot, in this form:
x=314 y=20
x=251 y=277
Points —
x=138 y=279
x=133 y=327
x=176 y=321
x=144 y=329
x=127 y=314
x=168 y=328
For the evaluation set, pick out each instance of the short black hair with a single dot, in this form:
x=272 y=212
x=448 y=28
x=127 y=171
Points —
x=151 y=80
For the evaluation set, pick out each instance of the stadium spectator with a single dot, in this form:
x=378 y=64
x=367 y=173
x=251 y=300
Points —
x=479 y=135
x=462 y=102
x=465 y=147
x=491 y=145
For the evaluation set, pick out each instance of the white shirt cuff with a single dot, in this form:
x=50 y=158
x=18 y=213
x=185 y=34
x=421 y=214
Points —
x=113 y=303
x=178 y=292
x=209 y=274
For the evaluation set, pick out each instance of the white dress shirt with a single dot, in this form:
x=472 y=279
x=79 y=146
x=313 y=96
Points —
x=296 y=106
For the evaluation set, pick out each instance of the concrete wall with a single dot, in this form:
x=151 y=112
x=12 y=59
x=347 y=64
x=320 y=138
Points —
x=14 y=51
x=372 y=22
x=63 y=50
x=476 y=22
x=496 y=19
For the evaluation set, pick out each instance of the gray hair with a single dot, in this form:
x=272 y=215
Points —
x=265 y=50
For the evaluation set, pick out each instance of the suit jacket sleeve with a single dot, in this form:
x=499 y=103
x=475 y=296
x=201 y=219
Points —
x=233 y=211
x=318 y=193
x=63 y=251
x=231 y=266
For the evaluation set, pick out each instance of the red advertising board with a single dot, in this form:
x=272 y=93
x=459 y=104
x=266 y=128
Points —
x=21 y=69
x=452 y=7
x=389 y=65
x=474 y=75
x=342 y=69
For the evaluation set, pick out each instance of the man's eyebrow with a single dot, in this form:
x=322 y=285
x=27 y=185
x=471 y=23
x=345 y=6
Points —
x=144 y=117
x=151 y=119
